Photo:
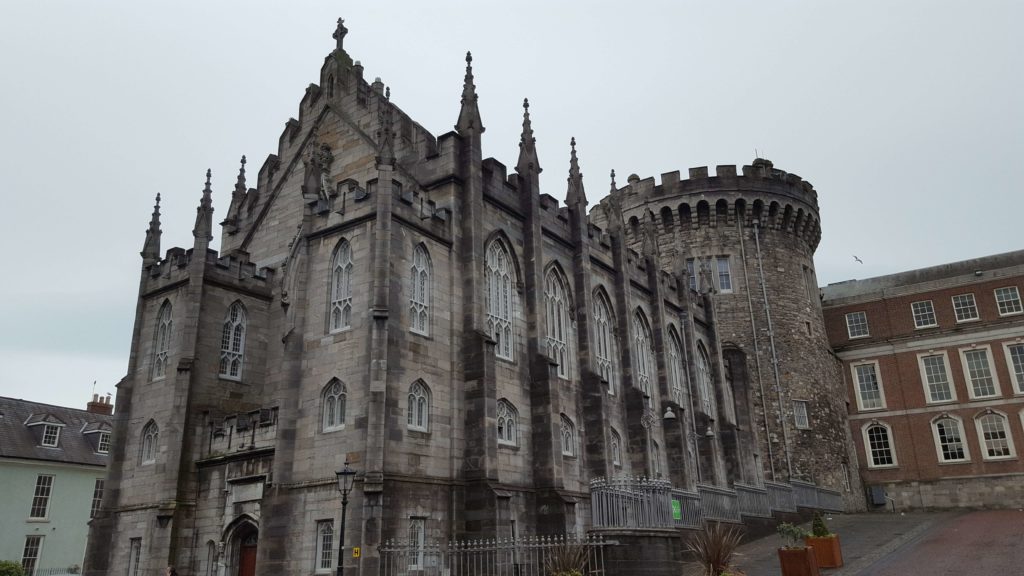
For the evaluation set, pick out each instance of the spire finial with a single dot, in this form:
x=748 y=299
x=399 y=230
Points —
x=339 y=33
x=575 y=195
x=151 y=247
x=240 y=187
x=469 y=115
x=614 y=187
x=387 y=93
x=527 y=143
x=204 y=213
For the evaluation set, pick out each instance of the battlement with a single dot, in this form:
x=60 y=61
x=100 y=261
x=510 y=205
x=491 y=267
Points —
x=232 y=269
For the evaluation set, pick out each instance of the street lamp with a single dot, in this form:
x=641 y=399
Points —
x=345 y=477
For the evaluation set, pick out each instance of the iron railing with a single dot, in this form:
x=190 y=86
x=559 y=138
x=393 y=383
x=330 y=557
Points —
x=686 y=509
x=805 y=494
x=831 y=500
x=718 y=503
x=628 y=502
x=780 y=496
x=753 y=500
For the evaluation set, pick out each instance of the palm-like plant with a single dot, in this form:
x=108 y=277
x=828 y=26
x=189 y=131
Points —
x=567 y=559
x=714 y=548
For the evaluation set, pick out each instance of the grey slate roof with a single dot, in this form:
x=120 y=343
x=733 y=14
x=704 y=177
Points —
x=20 y=441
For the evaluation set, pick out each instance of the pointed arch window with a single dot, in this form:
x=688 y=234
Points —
x=704 y=380
x=419 y=299
x=508 y=423
x=232 y=343
x=655 y=459
x=418 y=414
x=568 y=437
x=341 y=287
x=500 y=298
x=150 y=443
x=604 y=340
x=162 y=343
x=616 y=448
x=556 y=314
x=675 y=367
x=334 y=405
x=643 y=352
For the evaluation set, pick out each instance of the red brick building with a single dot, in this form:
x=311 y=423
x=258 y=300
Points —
x=934 y=366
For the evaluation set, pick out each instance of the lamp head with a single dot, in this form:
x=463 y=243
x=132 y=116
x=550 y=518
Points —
x=345 y=478
x=669 y=414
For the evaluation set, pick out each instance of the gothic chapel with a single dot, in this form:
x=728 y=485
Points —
x=477 y=352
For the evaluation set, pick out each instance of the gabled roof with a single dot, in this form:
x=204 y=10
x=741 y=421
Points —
x=19 y=440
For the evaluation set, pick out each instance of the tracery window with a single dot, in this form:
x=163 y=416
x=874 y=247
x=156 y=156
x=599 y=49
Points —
x=508 y=423
x=232 y=343
x=604 y=339
x=419 y=299
x=500 y=298
x=162 y=343
x=568 y=431
x=675 y=367
x=418 y=413
x=643 y=353
x=334 y=400
x=704 y=380
x=150 y=441
x=325 y=546
x=616 y=448
x=557 y=317
x=341 y=287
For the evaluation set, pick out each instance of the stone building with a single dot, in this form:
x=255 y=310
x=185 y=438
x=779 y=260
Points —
x=934 y=361
x=391 y=298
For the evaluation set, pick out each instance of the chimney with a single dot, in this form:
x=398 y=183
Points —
x=100 y=405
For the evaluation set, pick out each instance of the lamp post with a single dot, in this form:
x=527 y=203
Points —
x=345 y=477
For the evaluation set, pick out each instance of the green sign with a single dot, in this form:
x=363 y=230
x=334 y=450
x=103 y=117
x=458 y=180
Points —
x=677 y=510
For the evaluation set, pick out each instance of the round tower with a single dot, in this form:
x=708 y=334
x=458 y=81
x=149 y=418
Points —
x=745 y=244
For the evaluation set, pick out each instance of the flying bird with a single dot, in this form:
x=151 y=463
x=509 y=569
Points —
x=857 y=259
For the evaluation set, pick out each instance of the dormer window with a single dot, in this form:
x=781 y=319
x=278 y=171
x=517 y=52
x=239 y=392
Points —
x=51 y=435
x=104 y=444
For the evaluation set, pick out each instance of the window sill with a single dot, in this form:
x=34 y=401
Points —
x=888 y=467
x=420 y=334
x=1001 y=315
x=940 y=402
x=995 y=396
x=333 y=429
x=418 y=433
x=38 y=520
x=928 y=327
x=968 y=320
x=953 y=462
x=509 y=447
x=879 y=409
x=229 y=378
x=861 y=337
x=1010 y=458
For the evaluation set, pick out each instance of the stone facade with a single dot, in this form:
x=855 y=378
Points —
x=934 y=360
x=476 y=351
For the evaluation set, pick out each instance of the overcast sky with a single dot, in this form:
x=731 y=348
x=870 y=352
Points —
x=906 y=116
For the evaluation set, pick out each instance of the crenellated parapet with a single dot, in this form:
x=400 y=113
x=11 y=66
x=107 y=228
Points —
x=233 y=270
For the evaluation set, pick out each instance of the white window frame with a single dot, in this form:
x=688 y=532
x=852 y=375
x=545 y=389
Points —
x=103 y=443
x=508 y=423
x=924 y=310
x=1016 y=377
x=97 y=496
x=868 y=450
x=420 y=292
x=983 y=444
x=324 y=562
x=335 y=395
x=926 y=385
x=856 y=385
x=604 y=337
x=33 y=544
x=958 y=308
x=725 y=274
x=801 y=414
x=993 y=373
x=40 y=506
x=418 y=541
x=499 y=271
x=849 y=326
x=616 y=448
x=232 y=343
x=1014 y=303
x=568 y=435
x=556 y=316
x=418 y=407
x=150 y=443
x=339 y=312
x=162 y=341
x=50 y=440
x=938 y=444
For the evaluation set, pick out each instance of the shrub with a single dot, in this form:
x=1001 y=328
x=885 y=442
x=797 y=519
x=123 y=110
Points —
x=793 y=533
x=567 y=559
x=818 y=527
x=9 y=568
x=714 y=548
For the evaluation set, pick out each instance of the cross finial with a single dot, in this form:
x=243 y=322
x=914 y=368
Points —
x=339 y=33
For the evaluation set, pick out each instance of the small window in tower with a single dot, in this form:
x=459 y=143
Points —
x=800 y=417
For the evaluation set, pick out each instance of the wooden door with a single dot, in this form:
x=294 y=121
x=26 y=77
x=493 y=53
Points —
x=247 y=558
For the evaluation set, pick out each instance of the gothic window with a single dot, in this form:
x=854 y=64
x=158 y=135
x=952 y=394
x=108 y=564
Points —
x=419 y=299
x=643 y=353
x=162 y=343
x=232 y=343
x=675 y=367
x=334 y=406
x=616 y=448
x=508 y=423
x=211 y=558
x=878 y=444
x=500 y=298
x=150 y=441
x=704 y=380
x=325 y=546
x=417 y=539
x=568 y=437
x=604 y=339
x=418 y=414
x=655 y=459
x=949 y=440
x=557 y=317
x=341 y=287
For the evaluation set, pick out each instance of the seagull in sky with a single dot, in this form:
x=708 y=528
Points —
x=857 y=259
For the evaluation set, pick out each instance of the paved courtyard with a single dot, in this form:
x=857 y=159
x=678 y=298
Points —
x=933 y=544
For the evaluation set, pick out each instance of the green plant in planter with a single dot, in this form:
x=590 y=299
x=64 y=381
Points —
x=818 y=527
x=793 y=534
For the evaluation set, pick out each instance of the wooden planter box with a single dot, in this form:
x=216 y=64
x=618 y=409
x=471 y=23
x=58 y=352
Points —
x=798 y=562
x=827 y=551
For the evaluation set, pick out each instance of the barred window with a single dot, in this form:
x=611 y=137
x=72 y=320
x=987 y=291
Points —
x=325 y=546
x=418 y=414
x=642 y=352
x=556 y=308
x=150 y=441
x=162 y=341
x=604 y=339
x=869 y=386
x=949 y=440
x=97 y=497
x=857 y=324
x=965 y=308
x=232 y=343
x=508 y=423
x=334 y=400
x=879 y=445
x=994 y=435
x=568 y=431
x=1008 y=300
x=41 y=498
x=419 y=299
x=500 y=298
x=936 y=378
x=979 y=373
x=341 y=287
x=924 y=314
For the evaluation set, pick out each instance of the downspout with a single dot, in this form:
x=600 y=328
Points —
x=775 y=357
x=757 y=349
x=684 y=318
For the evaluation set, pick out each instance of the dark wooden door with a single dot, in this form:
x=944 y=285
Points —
x=247 y=560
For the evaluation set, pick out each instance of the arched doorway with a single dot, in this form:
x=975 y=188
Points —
x=247 y=555
x=242 y=536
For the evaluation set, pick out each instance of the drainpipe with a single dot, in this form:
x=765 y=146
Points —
x=757 y=349
x=685 y=322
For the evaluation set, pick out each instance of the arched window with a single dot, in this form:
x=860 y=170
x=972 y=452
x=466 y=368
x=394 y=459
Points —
x=211 y=558
x=508 y=423
x=324 y=545
x=704 y=380
x=232 y=343
x=643 y=353
x=150 y=443
x=655 y=459
x=675 y=367
x=994 y=437
x=500 y=298
x=604 y=340
x=616 y=448
x=878 y=445
x=341 y=287
x=419 y=298
x=162 y=341
x=568 y=437
x=418 y=415
x=334 y=397
x=949 y=440
x=556 y=315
